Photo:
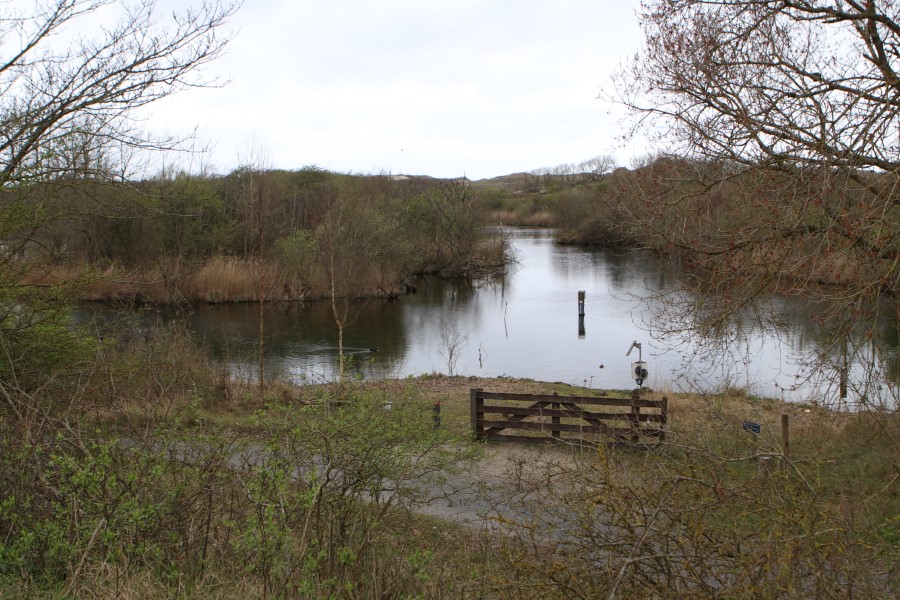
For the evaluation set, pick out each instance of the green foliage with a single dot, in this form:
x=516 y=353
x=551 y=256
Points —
x=193 y=223
x=37 y=341
x=105 y=501
x=328 y=482
x=18 y=218
x=297 y=253
x=890 y=531
x=307 y=507
x=493 y=198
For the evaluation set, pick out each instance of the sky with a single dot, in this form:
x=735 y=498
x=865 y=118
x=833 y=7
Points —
x=476 y=88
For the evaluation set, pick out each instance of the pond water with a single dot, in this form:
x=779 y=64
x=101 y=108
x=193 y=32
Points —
x=522 y=324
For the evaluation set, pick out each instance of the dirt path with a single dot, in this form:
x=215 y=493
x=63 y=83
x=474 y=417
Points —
x=498 y=488
x=491 y=487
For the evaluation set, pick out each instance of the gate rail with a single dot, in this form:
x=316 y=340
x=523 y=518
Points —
x=554 y=418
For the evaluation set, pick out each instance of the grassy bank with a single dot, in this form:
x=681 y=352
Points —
x=231 y=279
x=141 y=473
x=213 y=280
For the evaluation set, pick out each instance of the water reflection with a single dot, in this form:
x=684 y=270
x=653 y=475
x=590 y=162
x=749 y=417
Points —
x=525 y=323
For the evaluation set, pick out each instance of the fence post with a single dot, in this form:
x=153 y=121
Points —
x=477 y=415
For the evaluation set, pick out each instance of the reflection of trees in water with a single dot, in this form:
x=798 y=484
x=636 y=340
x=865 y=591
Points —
x=688 y=332
x=300 y=338
x=844 y=366
x=569 y=262
x=859 y=362
x=636 y=272
x=460 y=292
x=492 y=289
x=712 y=353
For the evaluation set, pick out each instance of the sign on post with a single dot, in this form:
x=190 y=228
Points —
x=752 y=427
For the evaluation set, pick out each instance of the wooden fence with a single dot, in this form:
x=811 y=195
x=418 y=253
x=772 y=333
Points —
x=626 y=421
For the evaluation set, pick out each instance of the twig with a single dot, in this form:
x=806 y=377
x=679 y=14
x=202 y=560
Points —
x=647 y=526
x=75 y=575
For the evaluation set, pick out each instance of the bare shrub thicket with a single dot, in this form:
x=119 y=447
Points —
x=715 y=512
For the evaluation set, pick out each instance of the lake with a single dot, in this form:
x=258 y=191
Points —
x=523 y=324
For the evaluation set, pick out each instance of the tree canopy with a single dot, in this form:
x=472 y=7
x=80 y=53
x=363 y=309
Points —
x=786 y=82
x=68 y=109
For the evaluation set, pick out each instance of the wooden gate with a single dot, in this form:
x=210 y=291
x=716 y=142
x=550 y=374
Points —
x=553 y=418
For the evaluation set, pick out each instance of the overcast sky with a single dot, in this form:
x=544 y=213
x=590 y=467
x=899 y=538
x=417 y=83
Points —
x=434 y=87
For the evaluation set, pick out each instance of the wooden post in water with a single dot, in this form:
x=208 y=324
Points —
x=581 y=331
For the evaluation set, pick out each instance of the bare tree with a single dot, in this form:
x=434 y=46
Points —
x=453 y=342
x=344 y=244
x=84 y=96
x=787 y=112
x=256 y=200
x=68 y=112
x=598 y=166
x=69 y=115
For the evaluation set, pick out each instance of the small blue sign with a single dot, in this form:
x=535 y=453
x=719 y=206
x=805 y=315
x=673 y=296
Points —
x=751 y=426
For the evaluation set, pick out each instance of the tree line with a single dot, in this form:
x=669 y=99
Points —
x=171 y=224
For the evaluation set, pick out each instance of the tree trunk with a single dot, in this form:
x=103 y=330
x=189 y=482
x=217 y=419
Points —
x=341 y=352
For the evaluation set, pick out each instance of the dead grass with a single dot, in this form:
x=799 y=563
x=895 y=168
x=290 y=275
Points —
x=715 y=421
x=858 y=450
x=543 y=218
x=855 y=453
x=226 y=278
x=217 y=279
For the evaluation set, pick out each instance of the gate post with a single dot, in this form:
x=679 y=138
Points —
x=476 y=403
x=555 y=432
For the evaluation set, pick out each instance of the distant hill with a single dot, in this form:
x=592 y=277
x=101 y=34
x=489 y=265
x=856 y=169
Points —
x=515 y=182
